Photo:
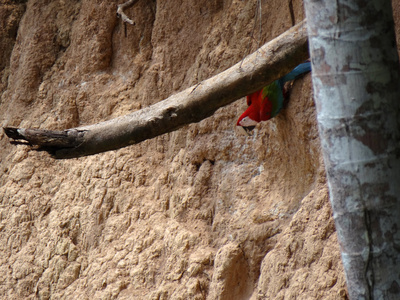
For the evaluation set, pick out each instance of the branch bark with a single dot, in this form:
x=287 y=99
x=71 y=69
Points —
x=194 y=104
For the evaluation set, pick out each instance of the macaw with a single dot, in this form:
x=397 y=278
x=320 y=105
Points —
x=267 y=103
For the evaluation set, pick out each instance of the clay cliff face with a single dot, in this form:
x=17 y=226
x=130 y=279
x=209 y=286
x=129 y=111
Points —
x=200 y=213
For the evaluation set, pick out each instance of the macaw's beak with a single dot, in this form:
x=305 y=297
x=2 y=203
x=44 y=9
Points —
x=246 y=130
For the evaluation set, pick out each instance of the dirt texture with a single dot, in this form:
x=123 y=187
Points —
x=200 y=213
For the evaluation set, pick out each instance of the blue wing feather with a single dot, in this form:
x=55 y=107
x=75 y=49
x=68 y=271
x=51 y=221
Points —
x=300 y=69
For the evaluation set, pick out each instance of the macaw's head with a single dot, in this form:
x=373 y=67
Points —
x=260 y=109
x=249 y=119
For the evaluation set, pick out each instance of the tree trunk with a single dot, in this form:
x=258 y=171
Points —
x=356 y=85
x=194 y=104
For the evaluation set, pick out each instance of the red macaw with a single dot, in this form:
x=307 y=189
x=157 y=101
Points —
x=267 y=103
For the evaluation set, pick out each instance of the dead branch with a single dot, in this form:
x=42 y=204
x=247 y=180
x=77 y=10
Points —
x=194 y=104
x=121 y=13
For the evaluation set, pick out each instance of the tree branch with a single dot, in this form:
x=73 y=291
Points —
x=194 y=104
x=121 y=13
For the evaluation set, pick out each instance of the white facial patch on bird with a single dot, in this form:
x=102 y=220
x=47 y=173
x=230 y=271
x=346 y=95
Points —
x=246 y=122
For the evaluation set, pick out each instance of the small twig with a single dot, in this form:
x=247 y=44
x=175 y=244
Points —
x=121 y=13
x=260 y=22
x=256 y=13
x=292 y=17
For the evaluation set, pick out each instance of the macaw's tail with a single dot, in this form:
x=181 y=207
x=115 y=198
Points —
x=300 y=69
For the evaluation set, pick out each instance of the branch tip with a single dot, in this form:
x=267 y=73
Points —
x=121 y=13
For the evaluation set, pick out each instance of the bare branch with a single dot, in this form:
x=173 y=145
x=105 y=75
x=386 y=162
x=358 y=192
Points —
x=194 y=104
x=121 y=13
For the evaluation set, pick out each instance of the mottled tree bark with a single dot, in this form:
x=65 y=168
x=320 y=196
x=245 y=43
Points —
x=357 y=92
x=194 y=104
